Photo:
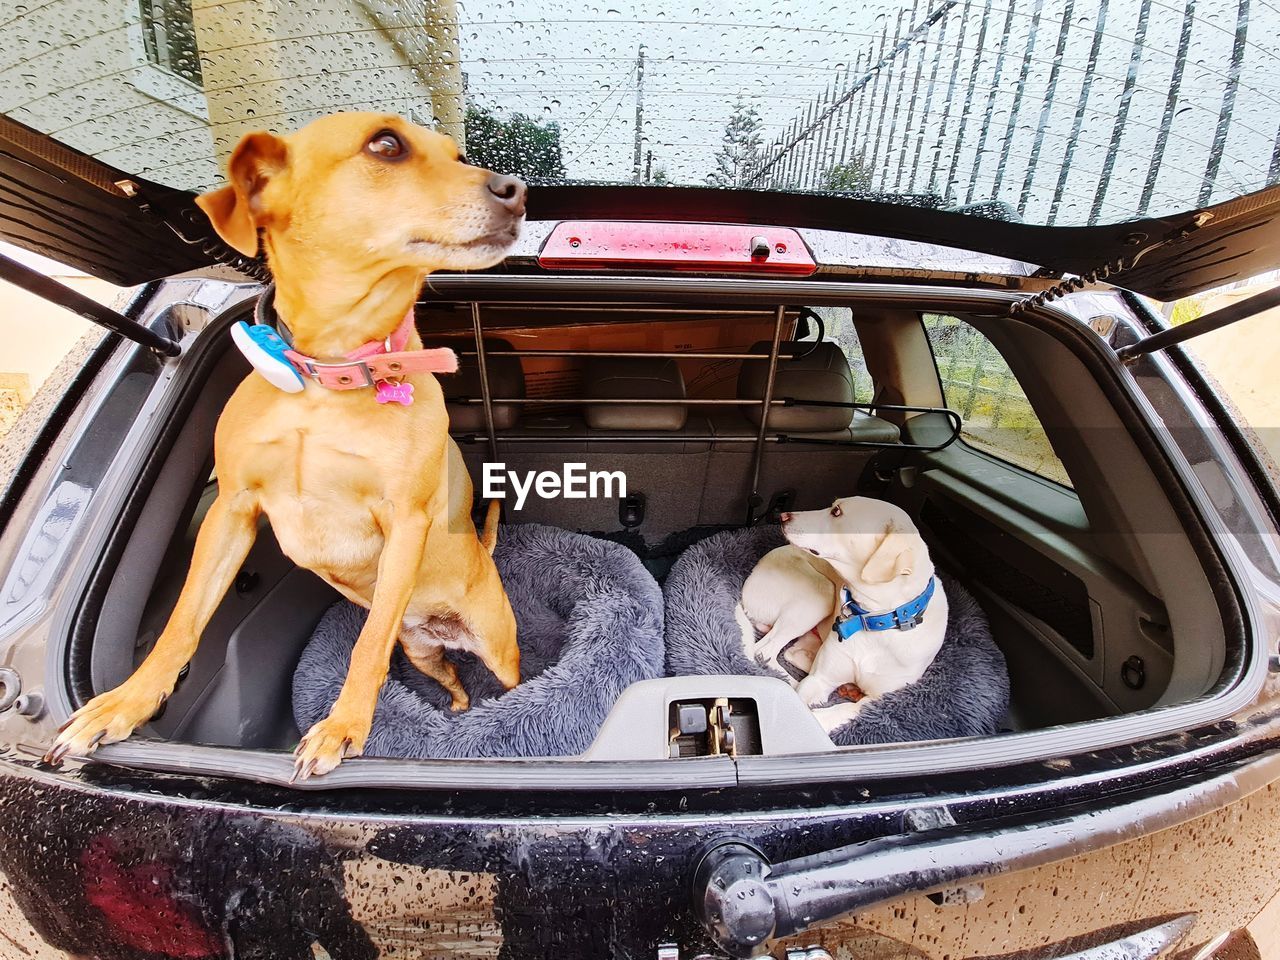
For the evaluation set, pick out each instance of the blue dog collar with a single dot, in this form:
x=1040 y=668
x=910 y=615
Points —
x=853 y=619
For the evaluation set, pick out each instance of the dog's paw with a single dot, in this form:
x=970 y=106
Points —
x=850 y=691
x=327 y=744
x=106 y=719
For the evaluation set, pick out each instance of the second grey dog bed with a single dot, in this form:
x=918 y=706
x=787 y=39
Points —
x=589 y=624
x=963 y=693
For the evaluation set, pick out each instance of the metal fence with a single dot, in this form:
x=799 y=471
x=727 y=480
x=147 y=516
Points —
x=1057 y=111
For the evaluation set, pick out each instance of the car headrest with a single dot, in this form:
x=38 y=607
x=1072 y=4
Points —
x=648 y=378
x=506 y=379
x=823 y=374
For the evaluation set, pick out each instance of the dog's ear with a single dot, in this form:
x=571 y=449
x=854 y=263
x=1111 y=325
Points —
x=237 y=210
x=894 y=556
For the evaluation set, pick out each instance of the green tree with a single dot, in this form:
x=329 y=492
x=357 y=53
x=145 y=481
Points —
x=850 y=177
x=739 y=155
x=1188 y=308
x=520 y=145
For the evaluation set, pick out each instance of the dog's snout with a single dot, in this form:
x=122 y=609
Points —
x=784 y=517
x=508 y=191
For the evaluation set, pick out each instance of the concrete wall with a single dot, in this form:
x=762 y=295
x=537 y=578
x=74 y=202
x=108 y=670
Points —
x=78 y=69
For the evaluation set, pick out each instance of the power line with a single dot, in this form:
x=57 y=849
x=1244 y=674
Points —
x=620 y=88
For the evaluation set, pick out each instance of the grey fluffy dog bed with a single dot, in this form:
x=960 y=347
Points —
x=589 y=622
x=963 y=693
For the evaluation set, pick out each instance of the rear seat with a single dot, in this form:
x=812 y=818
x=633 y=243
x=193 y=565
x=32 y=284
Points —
x=821 y=373
x=686 y=482
x=658 y=378
x=671 y=473
x=506 y=379
x=815 y=473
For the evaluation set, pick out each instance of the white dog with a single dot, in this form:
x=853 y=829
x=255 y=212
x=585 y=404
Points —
x=789 y=594
x=858 y=576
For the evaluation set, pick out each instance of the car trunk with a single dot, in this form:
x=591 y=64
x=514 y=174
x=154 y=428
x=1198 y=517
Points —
x=1098 y=599
x=1105 y=594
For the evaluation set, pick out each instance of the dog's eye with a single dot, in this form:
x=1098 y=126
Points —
x=836 y=511
x=386 y=144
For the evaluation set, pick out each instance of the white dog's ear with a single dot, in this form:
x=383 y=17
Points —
x=894 y=557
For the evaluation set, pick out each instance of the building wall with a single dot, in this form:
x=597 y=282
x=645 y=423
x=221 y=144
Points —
x=78 y=69
x=281 y=65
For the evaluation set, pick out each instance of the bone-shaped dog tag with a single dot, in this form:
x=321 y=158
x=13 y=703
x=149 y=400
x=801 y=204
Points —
x=391 y=392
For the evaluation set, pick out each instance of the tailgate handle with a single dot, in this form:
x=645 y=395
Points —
x=744 y=901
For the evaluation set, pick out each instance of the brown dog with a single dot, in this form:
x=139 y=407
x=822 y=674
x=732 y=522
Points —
x=354 y=210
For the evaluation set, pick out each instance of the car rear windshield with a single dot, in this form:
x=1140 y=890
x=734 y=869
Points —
x=1051 y=111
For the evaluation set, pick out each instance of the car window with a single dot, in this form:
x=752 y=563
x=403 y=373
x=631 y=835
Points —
x=978 y=384
x=837 y=326
x=1053 y=112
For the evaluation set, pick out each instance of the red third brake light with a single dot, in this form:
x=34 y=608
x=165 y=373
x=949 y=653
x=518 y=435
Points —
x=709 y=247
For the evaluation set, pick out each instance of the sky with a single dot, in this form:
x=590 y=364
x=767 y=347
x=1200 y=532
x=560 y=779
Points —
x=577 y=65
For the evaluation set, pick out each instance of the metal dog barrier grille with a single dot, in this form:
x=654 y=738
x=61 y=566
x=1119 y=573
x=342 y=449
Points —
x=765 y=403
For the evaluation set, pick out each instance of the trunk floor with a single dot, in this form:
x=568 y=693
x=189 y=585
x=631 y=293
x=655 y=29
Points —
x=659 y=558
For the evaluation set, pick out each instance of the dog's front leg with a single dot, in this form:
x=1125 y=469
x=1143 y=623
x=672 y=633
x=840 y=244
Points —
x=831 y=667
x=223 y=542
x=343 y=732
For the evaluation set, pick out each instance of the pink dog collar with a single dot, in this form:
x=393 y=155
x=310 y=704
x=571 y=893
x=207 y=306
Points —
x=378 y=363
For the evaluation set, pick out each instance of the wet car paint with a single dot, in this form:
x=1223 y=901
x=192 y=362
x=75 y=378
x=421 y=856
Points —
x=102 y=862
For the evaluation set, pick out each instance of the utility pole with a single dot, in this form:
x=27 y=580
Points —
x=635 y=166
x=648 y=166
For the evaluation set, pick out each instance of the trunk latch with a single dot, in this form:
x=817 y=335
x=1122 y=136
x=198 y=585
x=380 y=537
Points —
x=722 y=739
x=719 y=727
